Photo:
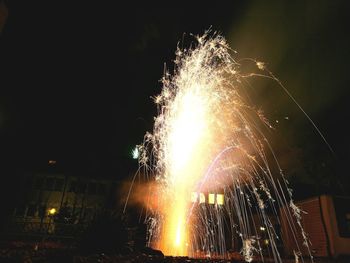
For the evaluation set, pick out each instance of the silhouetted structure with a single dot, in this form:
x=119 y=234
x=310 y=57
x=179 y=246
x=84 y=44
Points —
x=57 y=204
x=326 y=221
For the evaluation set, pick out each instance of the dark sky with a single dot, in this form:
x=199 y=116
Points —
x=76 y=79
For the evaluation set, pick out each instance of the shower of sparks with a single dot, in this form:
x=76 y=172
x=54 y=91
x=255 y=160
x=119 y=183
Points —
x=207 y=138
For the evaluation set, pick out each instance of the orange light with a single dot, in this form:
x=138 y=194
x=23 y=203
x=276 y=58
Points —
x=178 y=235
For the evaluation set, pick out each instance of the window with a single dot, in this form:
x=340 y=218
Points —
x=39 y=182
x=76 y=211
x=49 y=183
x=59 y=184
x=81 y=187
x=31 y=210
x=201 y=198
x=28 y=182
x=347 y=218
x=65 y=213
x=194 y=197
x=101 y=189
x=69 y=209
x=42 y=211
x=20 y=210
x=73 y=186
x=342 y=211
x=92 y=188
x=88 y=214
x=211 y=199
x=220 y=199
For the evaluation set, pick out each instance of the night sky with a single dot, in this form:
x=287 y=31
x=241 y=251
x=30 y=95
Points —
x=76 y=81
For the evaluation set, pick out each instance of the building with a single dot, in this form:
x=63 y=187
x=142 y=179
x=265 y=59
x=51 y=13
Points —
x=327 y=223
x=49 y=201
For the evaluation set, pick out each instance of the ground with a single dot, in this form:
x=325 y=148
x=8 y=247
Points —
x=31 y=255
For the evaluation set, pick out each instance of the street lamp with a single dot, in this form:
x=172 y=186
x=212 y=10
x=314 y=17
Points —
x=52 y=211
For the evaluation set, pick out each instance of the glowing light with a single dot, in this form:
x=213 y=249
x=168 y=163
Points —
x=208 y=137
x=178 y=235
x=220 y=199
x=262 y=228
x=52 y=211
x=135 y=153
x=211 y=199
x=201 y=198
x=260 y=65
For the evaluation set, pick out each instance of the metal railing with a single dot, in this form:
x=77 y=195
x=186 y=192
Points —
x=44 y=229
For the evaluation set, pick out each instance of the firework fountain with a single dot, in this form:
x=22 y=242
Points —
x=208 y=138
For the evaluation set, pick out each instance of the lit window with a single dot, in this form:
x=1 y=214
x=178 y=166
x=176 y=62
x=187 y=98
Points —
x=194 y=197
x=211 y=199
x=220 y=199
x=201 y=198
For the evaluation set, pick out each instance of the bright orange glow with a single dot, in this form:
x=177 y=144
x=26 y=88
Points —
x=192 y=129
x=175 y=233
x=208 y=138
x=178 y=235
x=186 y=158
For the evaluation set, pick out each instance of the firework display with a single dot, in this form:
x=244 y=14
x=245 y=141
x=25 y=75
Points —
x=215 y=184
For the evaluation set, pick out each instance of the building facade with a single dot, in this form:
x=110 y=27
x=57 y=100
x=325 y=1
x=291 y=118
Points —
x=59 y=204
x=326 y=220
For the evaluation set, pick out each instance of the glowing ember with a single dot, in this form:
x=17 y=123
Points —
x=208 y=157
